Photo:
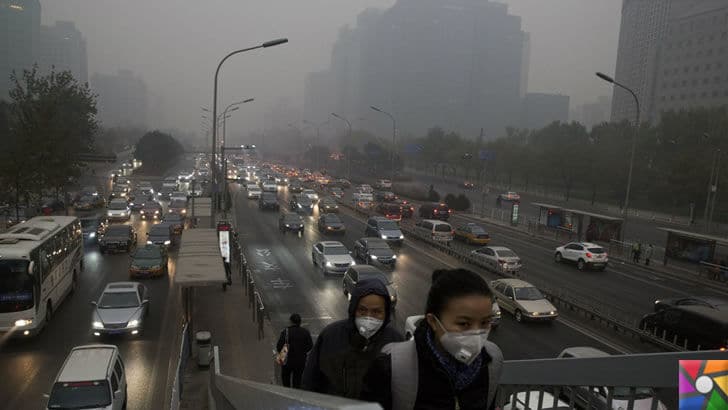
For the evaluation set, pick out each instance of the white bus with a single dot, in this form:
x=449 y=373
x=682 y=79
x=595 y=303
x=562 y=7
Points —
x=40 y=261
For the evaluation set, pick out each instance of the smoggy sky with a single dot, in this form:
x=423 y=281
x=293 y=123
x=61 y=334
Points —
x=176 y=44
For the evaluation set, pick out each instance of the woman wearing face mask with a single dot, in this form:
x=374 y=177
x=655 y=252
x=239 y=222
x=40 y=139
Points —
x=449 y=364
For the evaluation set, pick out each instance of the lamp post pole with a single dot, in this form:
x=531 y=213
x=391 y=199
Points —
x=634 y=144
x=348 y=148
x=213 y=165
x=394 y=134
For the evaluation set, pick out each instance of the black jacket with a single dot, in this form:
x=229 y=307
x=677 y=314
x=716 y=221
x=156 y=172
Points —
x=435 y=391
x=341 y=356
x=299 y=344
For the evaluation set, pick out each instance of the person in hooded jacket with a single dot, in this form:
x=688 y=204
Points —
x=345 y=349
x=449 y=363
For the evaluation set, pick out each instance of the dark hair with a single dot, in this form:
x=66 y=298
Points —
x=448 y=284
x=295 y=319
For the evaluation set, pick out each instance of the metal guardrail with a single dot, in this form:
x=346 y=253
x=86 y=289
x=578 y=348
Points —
x=177 y=383
x=255 y=300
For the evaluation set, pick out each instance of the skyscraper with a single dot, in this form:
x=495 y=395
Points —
x=123 y=99
x=63 y=48
x=19 y=38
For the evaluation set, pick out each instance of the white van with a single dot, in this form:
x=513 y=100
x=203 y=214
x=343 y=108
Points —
x=437 y=230
x=93 y=376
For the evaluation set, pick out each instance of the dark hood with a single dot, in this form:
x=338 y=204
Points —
x=370 y=287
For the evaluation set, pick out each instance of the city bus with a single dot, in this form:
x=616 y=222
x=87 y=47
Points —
x=40 y=261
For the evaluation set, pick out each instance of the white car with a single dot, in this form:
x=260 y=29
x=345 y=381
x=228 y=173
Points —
x=178 y=195
x=498 y=259
x=254 y=192
x=251 y=185
x=120 y=310
x=118 y=209
x=270 y=186
x=586 y=255
x=311 y=194
x=331 y=257
x=365 y=188
x=642 y=398
x=411 y=323
x=523 y=300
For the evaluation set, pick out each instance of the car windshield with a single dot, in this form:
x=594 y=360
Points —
x=118 y=300
x=528 y=293
x=506 y=253
x=388 y=225
x=335 y=250
x=117 y=206
x=597 y=250
x=152 y=206
x=442 y=228
x=477 y=230
x=292 y=218
x=89 y=223
x=16 y=286
x=173 y=218
x=120 y=230
x=375 y=275
x=147 y=252
x=332 y=219
x=178 y=203
x=159 y=230
x=377 y=244
x=80 y=395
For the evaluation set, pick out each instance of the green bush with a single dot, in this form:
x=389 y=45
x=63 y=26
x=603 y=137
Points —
x=451 y=201
x=463 y=203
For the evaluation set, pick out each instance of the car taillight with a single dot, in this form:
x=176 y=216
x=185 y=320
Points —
x=588 y=255
x=449 y=211
x=435 y=210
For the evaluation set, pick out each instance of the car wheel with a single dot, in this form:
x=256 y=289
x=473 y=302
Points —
x=408 y=336
x=557 y=257
x=518 y=315
x=580 y=264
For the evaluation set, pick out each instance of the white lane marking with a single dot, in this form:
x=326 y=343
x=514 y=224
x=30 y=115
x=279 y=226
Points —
x=619 y=348
x=280 y=283
x=263 y=253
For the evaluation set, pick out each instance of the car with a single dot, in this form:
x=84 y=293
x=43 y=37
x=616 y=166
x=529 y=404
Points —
x=137 y=199
x=295 y=187
x=472 y=233
x=178 y=195
x=161 y=234
x=254 y=192
x=498 y=259
x=146 y=190
x=384 y=196
x=390 y=211
x=692 y=327
x=121 y=309
x=170 y=183
x=118 y=209
x=412 y=322
x=93 y=228
x=467 y=185
x=509 y=196
x=435 y=211
x=328 y=205
x=374 y=250
x=92 y=376
x=89 y=202
x=118 y=193
x=301 y=204
x=436 y=230
x=365 y=188
x=152 y=211
x=523 y=300
x=407 y=208
x=330 y=224
x=165 y=192
x=311 y=194
x=357 y=273
x=118 y=238
x=596 y=397
x=251 y=185
x=383 y=228
x=343 y=183
x=584 y=254
x=52 y=205
x=177 y=206
x=712 y=302
x=269 y=200
x=331 y=257
x=148 y=261
x=337 y=193
x=269 y=186
x=291 y=222
x=90 y=190
x=383 y=184
x=176 y=221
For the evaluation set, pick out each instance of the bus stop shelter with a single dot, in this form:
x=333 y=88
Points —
x=691 y=246
x=584 y=225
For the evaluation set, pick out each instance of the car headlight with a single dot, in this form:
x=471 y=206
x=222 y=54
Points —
x=288 y=226
x=97 y=325
x=374 y=257
x=133 y=323
x=167 y=242
x=498 y=313
x=156 y=212
x=352 y=263
x=553 y=312
x=109 y=213
x=393 y=298
x=150 y=243
x=23 y=322
x=92 y=235
x=329 y=264
x=384 y=236
x=156 y=267
x=401 y=236
x=394 y=256
x=184 y=211
x=535 y=313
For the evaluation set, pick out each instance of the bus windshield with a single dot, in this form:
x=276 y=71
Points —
x=16 y=286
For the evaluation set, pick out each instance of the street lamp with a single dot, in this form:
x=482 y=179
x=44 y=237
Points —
x=634 y=142
x=230 y=108
x=394 y=133
x=348 y=148
x=214 y=106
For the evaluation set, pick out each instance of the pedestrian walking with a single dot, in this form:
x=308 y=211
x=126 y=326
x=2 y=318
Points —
x=636 y=252
x=648 y=254
x=293 y=345
x=345 y=349
x=449 y=363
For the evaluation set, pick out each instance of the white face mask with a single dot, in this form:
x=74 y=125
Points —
x=368 y=326
x=463 y=346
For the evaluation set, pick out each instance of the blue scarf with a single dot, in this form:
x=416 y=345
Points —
x=459 y=373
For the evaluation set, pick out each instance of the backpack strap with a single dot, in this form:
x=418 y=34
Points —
x=405 y=374
x=495 y=369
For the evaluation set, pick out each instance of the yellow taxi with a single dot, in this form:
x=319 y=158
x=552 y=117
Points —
x=472 y=233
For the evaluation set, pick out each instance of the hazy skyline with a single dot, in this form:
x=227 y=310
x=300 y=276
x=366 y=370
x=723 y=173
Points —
x=175 y=46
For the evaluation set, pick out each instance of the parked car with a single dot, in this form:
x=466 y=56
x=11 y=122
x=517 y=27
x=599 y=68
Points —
x=374 y=250
x=390 y=211
x=92 y=376
x=89 y=202
x=330 y=224
x=435 y=211
x=118 y=238
x=328 y=205
x=149 y=261
x=381 y=227
x=331 y=257
x=358 y=273
x=523 y=300
x=498 y=259
x=383 y=184
x=436 y=230
x=472 y=233
x=584 y=254
x=291 y=222
x=121 y=309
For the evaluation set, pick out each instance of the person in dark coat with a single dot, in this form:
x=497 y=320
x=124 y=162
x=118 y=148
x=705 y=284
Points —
x=449 y=364
x=299 y=344
x=345 y=349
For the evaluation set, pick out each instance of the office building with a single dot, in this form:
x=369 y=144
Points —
x=123 y=99
x=19 y=39
x=593 y=113
x=63 y=48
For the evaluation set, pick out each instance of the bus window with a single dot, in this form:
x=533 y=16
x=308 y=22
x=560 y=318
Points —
x=16 y=286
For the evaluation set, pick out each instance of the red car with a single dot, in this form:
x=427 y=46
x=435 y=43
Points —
x=390 y=211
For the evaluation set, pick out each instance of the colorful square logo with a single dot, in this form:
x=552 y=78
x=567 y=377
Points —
x=703 y=384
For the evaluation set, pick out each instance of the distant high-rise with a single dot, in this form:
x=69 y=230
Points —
x=593 y=113
x=63 y=48
x=19 y=38
x=540 y=109
x=644 y=24
x=123 y=99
